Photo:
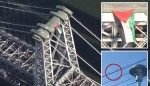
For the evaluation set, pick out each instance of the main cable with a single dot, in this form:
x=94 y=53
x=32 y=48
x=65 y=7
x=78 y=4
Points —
x=125 y=67
x=131 y=83
x=28 y=6
x=17 y=24
x=37 y=13
x=111 y=81
x=124 y=81
x=15 y=30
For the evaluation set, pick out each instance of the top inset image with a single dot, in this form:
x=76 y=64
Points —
x=124 y=25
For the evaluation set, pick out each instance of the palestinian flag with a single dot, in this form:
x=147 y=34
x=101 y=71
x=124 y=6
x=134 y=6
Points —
x=125 y=24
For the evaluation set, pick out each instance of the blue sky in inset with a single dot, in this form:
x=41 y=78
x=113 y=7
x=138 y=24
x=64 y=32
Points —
x=122 y=58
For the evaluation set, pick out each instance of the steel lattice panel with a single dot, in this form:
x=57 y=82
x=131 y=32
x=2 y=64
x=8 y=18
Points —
x=16 y=58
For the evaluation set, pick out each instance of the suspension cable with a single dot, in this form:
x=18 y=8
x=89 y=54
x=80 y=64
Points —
x=17 y=24
x=125 y=67
x=37 y=13
x=88 y=30
x=28 y=6
x=61 y=45
x=124 y=81
x=71 y=63
x=131 y=83
x=86 y=41
x=111 y=81
x=14 y=30
x=79 y=57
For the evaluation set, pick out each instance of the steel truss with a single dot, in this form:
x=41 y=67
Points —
x=110 y=36
x=56 y=55
x=16 y=59
x=51 y=62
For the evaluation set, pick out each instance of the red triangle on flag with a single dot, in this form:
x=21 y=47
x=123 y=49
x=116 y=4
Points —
x=123 y=16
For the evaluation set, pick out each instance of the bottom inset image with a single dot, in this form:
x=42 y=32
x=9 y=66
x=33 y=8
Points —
x=124 y=68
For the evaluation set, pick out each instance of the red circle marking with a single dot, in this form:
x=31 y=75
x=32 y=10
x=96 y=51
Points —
x=115 y=79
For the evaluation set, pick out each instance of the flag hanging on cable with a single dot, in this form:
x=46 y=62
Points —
x=125 y=24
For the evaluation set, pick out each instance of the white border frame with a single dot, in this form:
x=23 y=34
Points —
x=123 y=51
x=125 y=47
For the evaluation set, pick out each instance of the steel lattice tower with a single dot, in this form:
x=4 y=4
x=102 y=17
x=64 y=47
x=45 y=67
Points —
x=52 y=62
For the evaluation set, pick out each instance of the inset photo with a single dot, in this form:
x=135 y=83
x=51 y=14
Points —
x=124 y=25
x=124 y=68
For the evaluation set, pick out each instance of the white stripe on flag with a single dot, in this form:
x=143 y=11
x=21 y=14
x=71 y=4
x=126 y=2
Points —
x=127 y=32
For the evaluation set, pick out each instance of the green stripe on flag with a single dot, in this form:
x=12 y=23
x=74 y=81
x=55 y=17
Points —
x=132 y=25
